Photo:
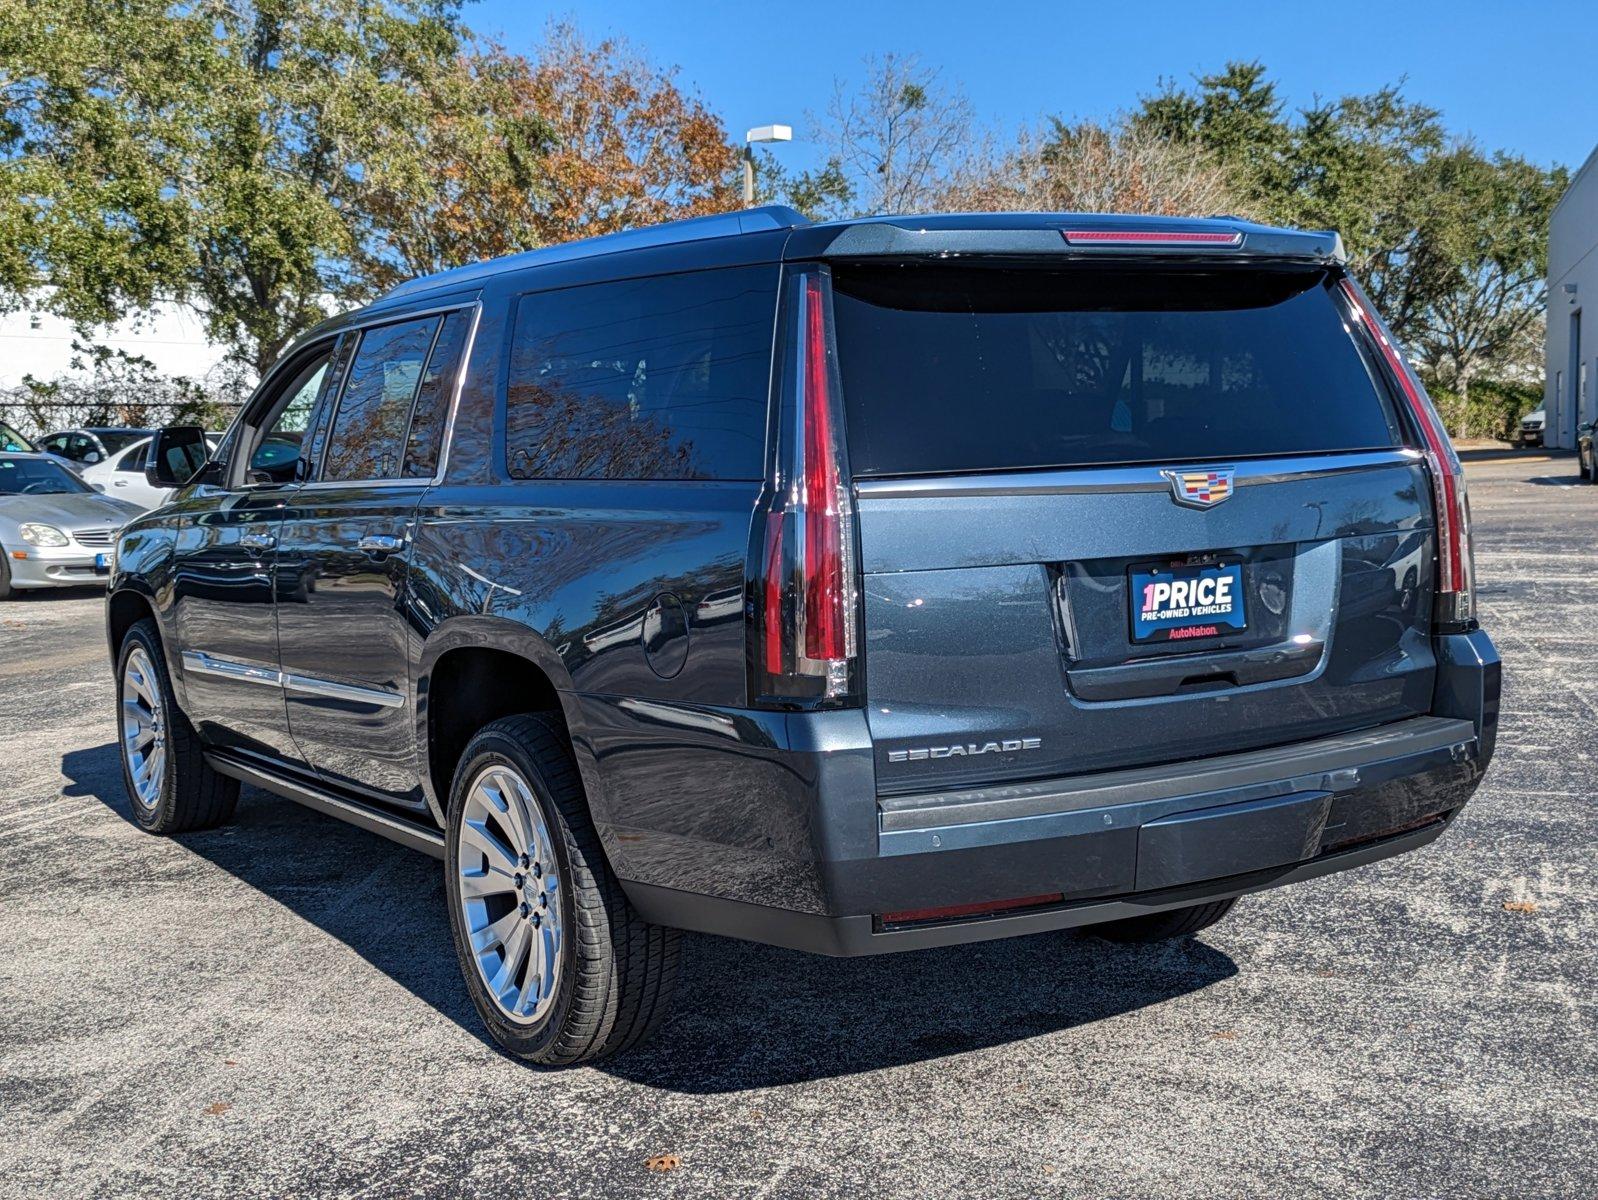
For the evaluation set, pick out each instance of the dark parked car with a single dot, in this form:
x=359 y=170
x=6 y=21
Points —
x=91 y=444
x=855 y=587
x=1586 y=456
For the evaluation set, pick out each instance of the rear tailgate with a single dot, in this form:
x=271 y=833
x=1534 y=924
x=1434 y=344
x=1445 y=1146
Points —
x=1113 y=517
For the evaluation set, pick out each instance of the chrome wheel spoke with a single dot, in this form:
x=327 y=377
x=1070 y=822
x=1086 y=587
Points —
x=479 y=837
x=513 y=804
x=476 y=884
x=515 y=953
x=497 y=933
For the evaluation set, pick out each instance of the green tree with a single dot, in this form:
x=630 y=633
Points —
x=1237 y=117
x=1488 y=232
x=1450 y=243
x=199 y=151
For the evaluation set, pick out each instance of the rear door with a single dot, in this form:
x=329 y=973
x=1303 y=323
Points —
x=344 y=643
x=1119 y=516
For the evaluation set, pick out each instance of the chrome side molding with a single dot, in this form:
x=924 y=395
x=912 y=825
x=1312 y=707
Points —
x=200 y=663
x=311 y=686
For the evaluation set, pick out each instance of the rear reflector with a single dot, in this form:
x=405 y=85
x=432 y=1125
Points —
x=951 y=912
x=1149 y=237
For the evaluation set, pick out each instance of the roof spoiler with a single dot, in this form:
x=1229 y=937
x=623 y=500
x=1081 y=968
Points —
x=1065 y=237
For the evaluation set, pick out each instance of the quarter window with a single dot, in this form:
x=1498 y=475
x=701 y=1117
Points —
x=660 y=378
x=368 y=435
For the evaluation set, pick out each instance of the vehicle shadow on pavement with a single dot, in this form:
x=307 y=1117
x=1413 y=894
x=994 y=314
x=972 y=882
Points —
x=745 y=1016
x=750 y=1016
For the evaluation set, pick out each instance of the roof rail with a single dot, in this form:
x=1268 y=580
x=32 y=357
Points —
x=692 y=229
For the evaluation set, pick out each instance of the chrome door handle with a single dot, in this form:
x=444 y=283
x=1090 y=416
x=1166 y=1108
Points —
x=383 y=543
x=257 y=541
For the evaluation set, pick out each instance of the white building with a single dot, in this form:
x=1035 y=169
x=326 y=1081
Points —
x=1572 y=375
x=40 y=345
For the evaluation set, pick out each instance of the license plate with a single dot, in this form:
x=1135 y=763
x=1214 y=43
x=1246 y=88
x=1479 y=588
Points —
x=102 y=562
x=1172 y=604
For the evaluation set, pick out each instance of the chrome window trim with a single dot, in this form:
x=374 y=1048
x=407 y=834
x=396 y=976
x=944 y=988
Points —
x=200 y=663
x=448 y=439
x=1059 y=481
x=360 y=326
x=397 y=318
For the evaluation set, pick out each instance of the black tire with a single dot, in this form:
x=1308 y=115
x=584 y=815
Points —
x=618 y=972
x=5 y=575
x=1164 y=926
x=191 y=795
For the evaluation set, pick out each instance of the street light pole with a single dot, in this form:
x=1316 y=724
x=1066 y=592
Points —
x=763 y=133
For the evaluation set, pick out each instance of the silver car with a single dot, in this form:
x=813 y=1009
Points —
x=55 y=530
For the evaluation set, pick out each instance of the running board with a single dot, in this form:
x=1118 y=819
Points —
x=395 y=829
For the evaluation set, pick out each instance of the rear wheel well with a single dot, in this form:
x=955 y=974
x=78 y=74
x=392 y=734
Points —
x=123 y=611
x=468 y=688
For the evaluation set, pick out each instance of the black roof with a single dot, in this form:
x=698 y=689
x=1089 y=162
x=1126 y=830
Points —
x=941 y=234
x=777 y=233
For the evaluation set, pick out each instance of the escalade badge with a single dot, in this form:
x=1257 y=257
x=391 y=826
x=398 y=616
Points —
x=969 y=749
x=1201 y=489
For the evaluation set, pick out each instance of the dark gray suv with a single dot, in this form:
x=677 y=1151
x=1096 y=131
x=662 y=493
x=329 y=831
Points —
x=852 y=587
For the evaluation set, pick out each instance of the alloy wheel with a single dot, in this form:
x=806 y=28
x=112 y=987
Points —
x=143 y=729
x=509 y=893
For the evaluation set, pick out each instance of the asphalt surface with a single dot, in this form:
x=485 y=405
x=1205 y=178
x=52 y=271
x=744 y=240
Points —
x=272 y=1009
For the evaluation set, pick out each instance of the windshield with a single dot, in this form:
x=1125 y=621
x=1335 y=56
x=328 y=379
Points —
x=10 y=439
x=37 y=477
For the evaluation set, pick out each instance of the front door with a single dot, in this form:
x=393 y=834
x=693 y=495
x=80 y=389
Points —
x=226 y=557
x=344 y=644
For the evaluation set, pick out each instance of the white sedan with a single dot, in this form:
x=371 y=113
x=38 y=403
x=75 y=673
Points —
x=122 y=475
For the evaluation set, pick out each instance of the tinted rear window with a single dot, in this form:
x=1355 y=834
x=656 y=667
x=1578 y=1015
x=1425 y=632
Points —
x=981 y=369
x=660 y=378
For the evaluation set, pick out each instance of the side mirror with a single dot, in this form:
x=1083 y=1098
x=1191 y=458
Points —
x=176 y=455
x=99 y=487
x=92 y=457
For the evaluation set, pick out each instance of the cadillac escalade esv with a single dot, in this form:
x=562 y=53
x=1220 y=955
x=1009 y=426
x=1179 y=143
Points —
x=852 y=587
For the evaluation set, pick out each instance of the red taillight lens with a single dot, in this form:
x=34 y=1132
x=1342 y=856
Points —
x=824 y=584
x=803 y=638
x=1456 y=590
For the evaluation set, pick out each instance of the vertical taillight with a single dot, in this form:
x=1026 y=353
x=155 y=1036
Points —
x=804 y=641
x=1456 y=585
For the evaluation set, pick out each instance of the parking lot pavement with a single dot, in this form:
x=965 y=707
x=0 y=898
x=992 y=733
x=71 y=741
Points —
x=273 y=1009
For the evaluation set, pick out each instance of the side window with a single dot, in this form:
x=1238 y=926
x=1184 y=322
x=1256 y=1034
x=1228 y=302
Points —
x=132 y=460
x=275 y=456
x=79 y=449
x=660 y=378
x=367 y=437
x=55 y=445
x=424 y=443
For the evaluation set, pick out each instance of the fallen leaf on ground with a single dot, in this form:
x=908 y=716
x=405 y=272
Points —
x=1225 y=1035
x=663 y=1162
x=1520 y=906
x=217 y=1109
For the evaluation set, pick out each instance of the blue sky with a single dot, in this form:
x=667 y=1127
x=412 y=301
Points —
x=1514 y=76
